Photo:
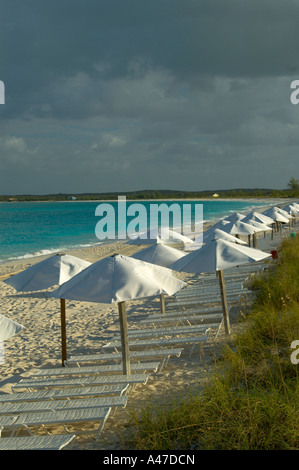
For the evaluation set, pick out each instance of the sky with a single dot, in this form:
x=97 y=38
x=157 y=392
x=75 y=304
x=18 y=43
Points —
x=126 y=95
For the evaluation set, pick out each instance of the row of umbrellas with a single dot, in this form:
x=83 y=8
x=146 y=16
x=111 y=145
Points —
x=148 y=273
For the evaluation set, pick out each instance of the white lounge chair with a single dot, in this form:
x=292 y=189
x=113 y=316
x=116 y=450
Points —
x=91 y=380
x=189 y=311
x=163 y=354
x=55 y=405
x=111 y=368
x=160 y=342
x=110 y=390
x=201 y=301
x=183 y=319
x=62 y=417
x=215 y=293
x=57 y=442
x=168 y=331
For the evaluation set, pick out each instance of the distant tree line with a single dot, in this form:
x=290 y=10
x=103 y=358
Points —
x=291 y=191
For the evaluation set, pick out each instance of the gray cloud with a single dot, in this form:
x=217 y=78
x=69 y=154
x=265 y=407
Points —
x=125 y=95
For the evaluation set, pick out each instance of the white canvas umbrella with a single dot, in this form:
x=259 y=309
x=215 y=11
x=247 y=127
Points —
x=235 y=217
x=8 y=328
x=159 y=254
x=162 y=255
x=260 y=227
x=217 y=256
x=220 y=234
x=284 y=213
x=116 y=279
x=291 y=209
x=153 y=236
x=259 y=218
x=240 y=228
x=276 y=215
x=54 y=270
x=210 y=232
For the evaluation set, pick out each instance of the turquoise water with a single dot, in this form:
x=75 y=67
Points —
x=34 y=228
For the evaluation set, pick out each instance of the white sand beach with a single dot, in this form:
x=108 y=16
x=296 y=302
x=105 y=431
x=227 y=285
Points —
x=89 y=326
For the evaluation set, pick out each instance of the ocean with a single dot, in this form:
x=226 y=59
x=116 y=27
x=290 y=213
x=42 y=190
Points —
x=29 y=229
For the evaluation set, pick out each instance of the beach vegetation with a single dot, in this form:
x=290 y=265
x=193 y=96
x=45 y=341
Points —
x=251 y=400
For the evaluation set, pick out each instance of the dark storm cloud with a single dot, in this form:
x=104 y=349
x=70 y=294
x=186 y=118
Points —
x=48 y=42
x=99 y=90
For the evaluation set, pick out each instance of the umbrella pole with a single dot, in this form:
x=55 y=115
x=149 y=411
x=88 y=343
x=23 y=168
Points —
x=162 y=303
x=224 y=302
x=63 y=332
x=124 y=338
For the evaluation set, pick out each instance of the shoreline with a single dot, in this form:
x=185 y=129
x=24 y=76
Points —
x=32 y=258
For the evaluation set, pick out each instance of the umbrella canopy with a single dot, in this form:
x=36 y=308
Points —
x=47 y=273
x=165 y=236
x=276 y=215
x=116 y=279
x=242 y=228
x=235 y=217
x=259 y=218
x=220 y=234
x=284 y=213
x=159 y=254
x=8 y=328
x=210 y=232
x=260 y=225
x=291 y=209
x=217 y=256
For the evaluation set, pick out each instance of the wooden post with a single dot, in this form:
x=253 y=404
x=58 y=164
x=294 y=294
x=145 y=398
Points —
x=162 y=303
x=63 y=333
x=249 y=240
x=124 y=338
x=254 y=240
x=224 y=302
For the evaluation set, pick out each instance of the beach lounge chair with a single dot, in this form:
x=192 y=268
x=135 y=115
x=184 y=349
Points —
x=55 y=405
x=160 y=342
x=112 y=368
x=57 y=442
x=163 y=355
x=66 y=418
x=209 y=286
x=104 y=390
x=189 y=311
x=183 y=319
x=91 y=380
x=168 y=331
x=215 y=292
x=232 y=298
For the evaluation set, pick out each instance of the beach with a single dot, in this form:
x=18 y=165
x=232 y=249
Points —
x=89 y=327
